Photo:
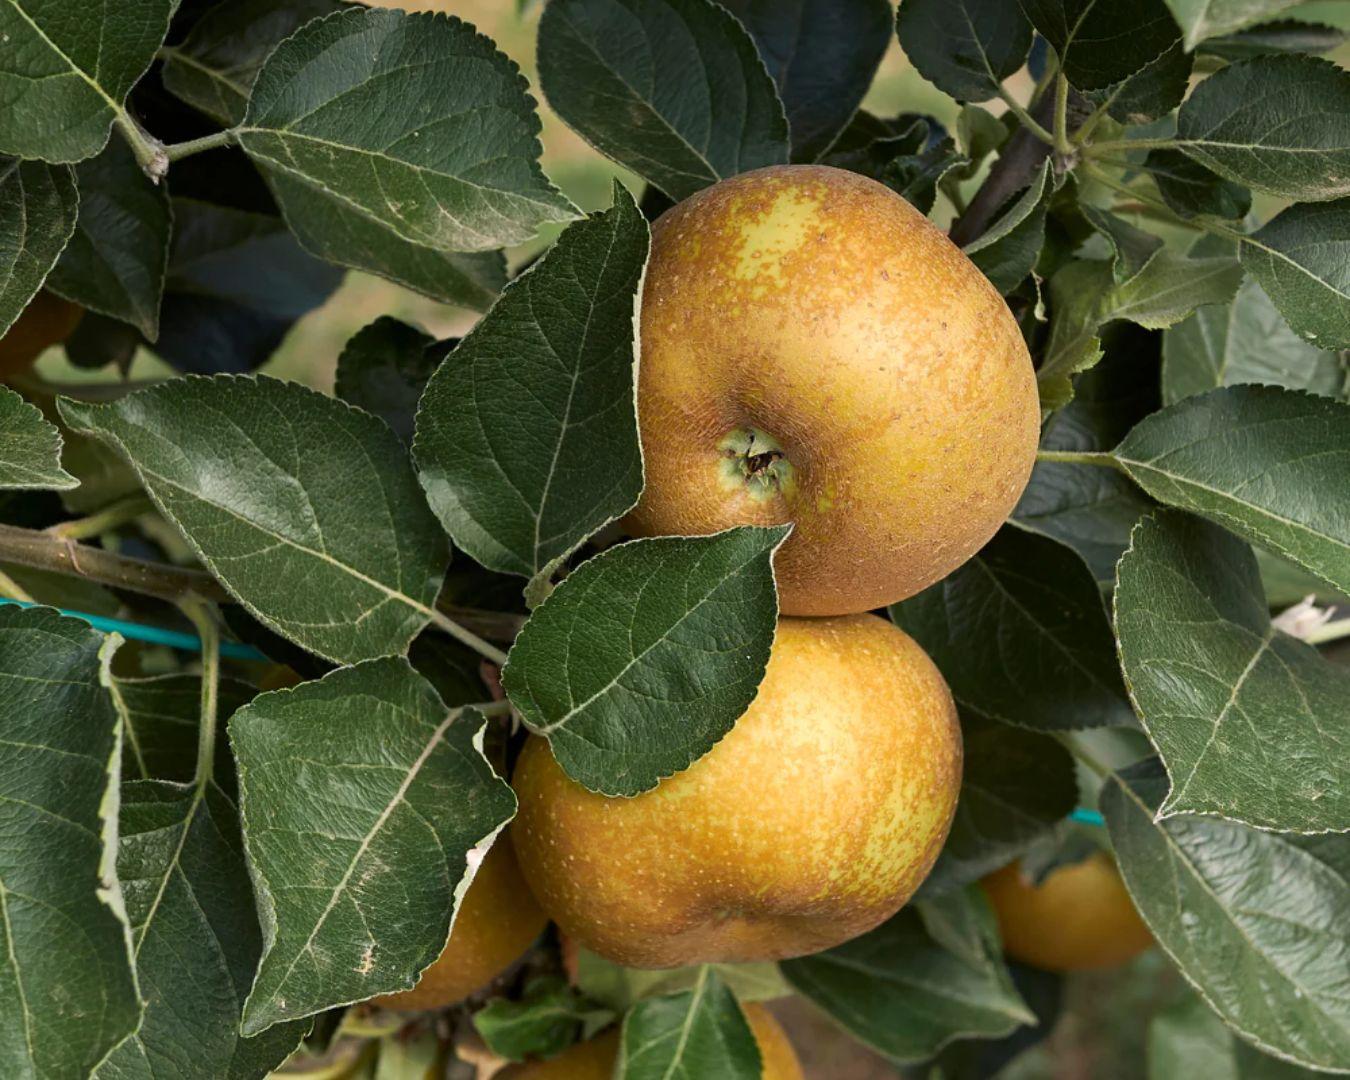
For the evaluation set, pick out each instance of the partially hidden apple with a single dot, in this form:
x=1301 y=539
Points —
x=811 y=822
x=814 y=350
x=46 y=321
x=595 y=1060
x=1080 y=918
x=498 y=920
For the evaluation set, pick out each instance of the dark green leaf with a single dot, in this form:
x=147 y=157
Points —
x=625 y=668
x=1302 y=259
x=966 y=48
x=65 y=71
x=419 y=122
x=1246 y=341
x=237 y=282
x=1151 y=92
x=30 y=447
x=1021 y=635
x=39 y=205
x=1015 y=787
x=1101 y=43
x=822 y=55
x=689 y=1036
x=362 y=796
x=1279 y=124
x=915 y=177
x=66 y=984
x=195 y=931
x=384 y=368
x=1085 y=296
x=1267 y=463
x=1253 y=920
x=1203 y=19
x=527 y=433
x=1088 y=508
x=547 y=1019
x=116 y=260
x=213 y=68
x=286 y=485
x=1189 y=1039
x=160 y=718
x=1007 y=252
x=1133 y=246
x=673 y=89
x=1249 y=722
x=1190 y=189
x=1281 y=36
x=931 y=974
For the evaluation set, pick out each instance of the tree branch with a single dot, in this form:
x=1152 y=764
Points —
x=42 y=551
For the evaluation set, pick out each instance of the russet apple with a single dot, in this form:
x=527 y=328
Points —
x=811 y=822
x=1079 y=918
x=46 y=321
x=594 y=1060
x=814 y=350
x=498 y=919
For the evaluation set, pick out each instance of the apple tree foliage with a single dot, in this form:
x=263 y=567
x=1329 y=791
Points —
x=200 y=874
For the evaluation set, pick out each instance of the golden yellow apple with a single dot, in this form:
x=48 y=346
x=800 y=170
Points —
x=811 y=822
x=498 y=920
x=1079 y=918
x=594 y=1060
x=46 y=321
x=814 y=350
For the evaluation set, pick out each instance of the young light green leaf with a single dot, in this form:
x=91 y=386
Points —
x=527 y=433
x=1133 y=246
x=619 y=988
x=1085 y=507
x=822 y=56
x=39 y=205
x=1253 y=920
x=1204 y=19
x=1007 y=252
x=65 y=72
x=1279 y=124
x=699 y=1033
x=30 y=447
x=116 y=261
x=966 y=48
x=459 y=172
x=196 y=937
x=1015 y=787
x=626 y=670
x=1189 y=188
x=67 y=989
x=1301 y=257
x=213 y=68
x=1085 y=296
x=237 y=283
x=1280 y=36
x=286 y=485
x=1266 y=463
x=673 y=89
x=384 y=368
x=1249 y=722
x=363 y=798
x=1100 y=44
x=929 y=975
x=1054 y=668
x=548 y=1018
x=1246 y=341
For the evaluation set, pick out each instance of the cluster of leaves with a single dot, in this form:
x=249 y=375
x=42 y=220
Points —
x=216 y=164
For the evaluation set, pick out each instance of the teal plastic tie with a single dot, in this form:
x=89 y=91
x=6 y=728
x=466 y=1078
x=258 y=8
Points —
x=1087 y=817
x=156 y=635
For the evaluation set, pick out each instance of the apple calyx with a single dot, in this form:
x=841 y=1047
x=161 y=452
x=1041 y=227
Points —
x=754 y=461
